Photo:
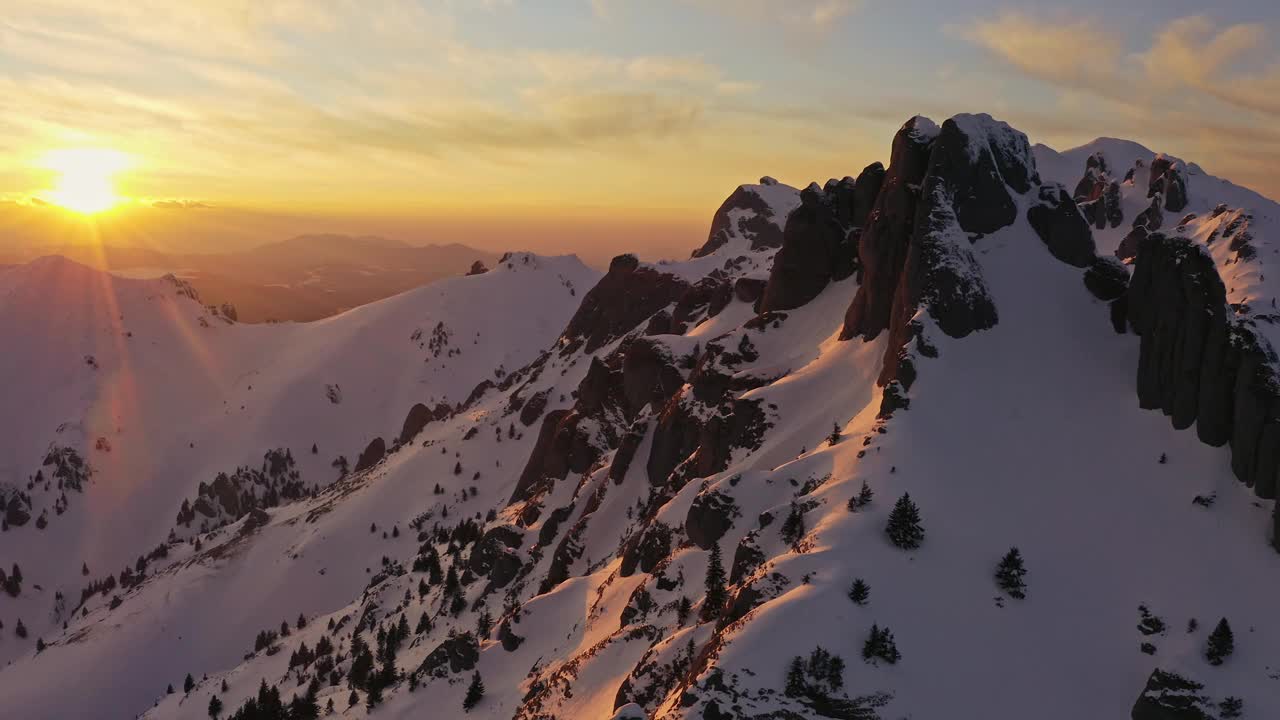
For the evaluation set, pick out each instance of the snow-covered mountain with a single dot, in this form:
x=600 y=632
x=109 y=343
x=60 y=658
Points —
x=774 y=480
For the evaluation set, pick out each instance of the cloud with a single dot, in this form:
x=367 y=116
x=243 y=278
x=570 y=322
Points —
x=1072 y=53
x=179 y=205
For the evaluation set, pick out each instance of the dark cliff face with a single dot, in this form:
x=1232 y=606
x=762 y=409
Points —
x=1201 y=364
x=812 y=246
x=882 y=248
x=625 y=297
x=756 y=222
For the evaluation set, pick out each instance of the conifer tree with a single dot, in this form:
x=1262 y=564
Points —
x=1231 y=707
x=1010 y=573
x=904 y=528
x=862 y=499
x=215 y=707
x=683 y=610
x=796 y=685
x=880 y=645
x=834 y=437
x=475 y=691
x=188 y=683
x=859 y=591
x=793 y=527
x=1221 y=643
x=20 y=630
x=715 y=579
x=39 y=645
x=353 y=699
x=424 y=625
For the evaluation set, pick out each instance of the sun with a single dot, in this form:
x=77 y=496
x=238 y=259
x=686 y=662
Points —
x=85 y=181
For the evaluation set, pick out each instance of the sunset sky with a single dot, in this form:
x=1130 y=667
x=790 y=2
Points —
x=568 y=124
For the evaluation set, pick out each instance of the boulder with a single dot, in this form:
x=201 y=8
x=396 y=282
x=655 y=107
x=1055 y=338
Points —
x=457 y=654
x=1060 y=226
x=1107 y=278
x=709 y=518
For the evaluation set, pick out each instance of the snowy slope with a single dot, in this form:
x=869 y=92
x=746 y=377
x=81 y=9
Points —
x=553 y=537
x=177 y=394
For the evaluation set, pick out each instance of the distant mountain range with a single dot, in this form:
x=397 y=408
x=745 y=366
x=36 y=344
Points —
x=304 y=278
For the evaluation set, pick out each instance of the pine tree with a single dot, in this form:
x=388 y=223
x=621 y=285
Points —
x=188 y=683
x=715 y=579
x=859 y=591
x=880 y=645
x=424 y=625
x=904 y=528
x=39 y=645
x=1231 y=707
x=793 y=527
x=215 y=707
x=302 y=621
x=862 y=499
x=1010 y=574
x=224 y=685
x=475 y=692
x=169 y=690
x=683 y=610
x=796 y=685
x=834 y=437
x=484 y=624
x=353 y=699
x=20 y=630
x=1221 y=643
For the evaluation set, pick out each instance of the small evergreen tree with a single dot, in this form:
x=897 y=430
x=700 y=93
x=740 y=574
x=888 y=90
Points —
x=39 y=645
x=475 y=691
x=224 y=685
x=484 y=624
x=169 y=690
x=1221 y=643
x=862 y=499
x=793 y=528
x=215 y=707
x=188 y=683
x=715 y=580
x=795 y=686
x=1010 y=573
x=834 y=437
x=880 y=645
x=683 y=609
x=1231 y=707
x=20 y=630
x=353 y=699
x=1150 y=623
x=859 y=591
x=904 y=528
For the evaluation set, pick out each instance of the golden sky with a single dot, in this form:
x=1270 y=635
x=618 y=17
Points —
x=582 y=123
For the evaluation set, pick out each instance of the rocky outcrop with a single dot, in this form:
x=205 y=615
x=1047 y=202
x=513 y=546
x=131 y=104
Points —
x=1106 y=278
x=1168 y=696
x=418 y=418
x=646 y=549
x=813 y=246
x=882 y=247
x=457 y=654
x=1098 y=195
x=372 y=455
x=746 y=214
x=1061 y=227
x=650 y=375
x=625 y=297
x=982 y=162
x=1169 y=180
x=1201 y=363
x=705 y=299
x=709 y=518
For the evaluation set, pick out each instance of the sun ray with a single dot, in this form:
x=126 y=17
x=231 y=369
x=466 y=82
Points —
x=85 y=182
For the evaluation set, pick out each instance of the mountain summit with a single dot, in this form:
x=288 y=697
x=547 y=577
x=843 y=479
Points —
x=988 y=431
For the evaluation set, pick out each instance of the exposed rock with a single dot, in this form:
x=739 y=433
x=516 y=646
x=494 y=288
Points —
x=646 y=549
x=882 y=249
x=534 y=407
x=600 y=387
x=1168 y=696
x=510 y=641
x=372 y=455
x=1061 y=227
x=477 y=268
x=865 y=192
x=746 y=558
x=749 y=290
x=746 y=214
x=1168 y=179
x=418 y=418
x=649 y=375
x=457 y=654
x=1198 y=364
x=18 y=512
x=709 y=518
x=710 y=295
x=807 y=260
x=486 y=551
x=981 y=159
x=1106 y=278
x=625 y=297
